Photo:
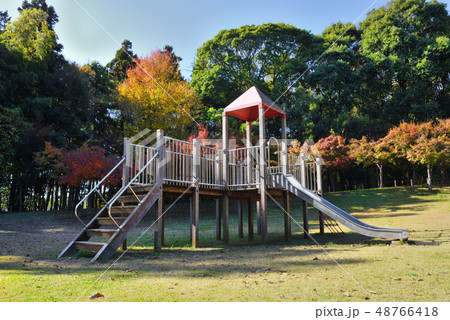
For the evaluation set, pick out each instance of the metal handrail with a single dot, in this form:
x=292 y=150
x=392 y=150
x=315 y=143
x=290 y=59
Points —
x=95 y=189
x=118 y=194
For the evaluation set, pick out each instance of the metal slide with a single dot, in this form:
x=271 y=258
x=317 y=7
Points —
x=290 y=183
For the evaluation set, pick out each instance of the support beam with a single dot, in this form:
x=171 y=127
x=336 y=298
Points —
x=284 y=155
x=240 y=218
x=163 y=219
x=258 y=218
x=196 y=193
x=250 y=218
x=305 y=220
x=225 y=217
x=321 y=222
x=159 y=182
x=320 y=192
x=225 y=199
x=248 y=137
x=262 y=173
x=287 y=217
x=127 y=164
x=219 y=219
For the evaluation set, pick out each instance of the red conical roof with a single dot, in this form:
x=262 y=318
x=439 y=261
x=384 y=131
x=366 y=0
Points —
x=246 y=106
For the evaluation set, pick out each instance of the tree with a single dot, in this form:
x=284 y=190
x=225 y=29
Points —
x=106 y=122
x=88 y=165
x=268 y=56
x=369 y=152
x=406 y=44
x=52 y=17
x=401 y=139
x=335 y=154
x=432 y=147
x=30 y=35
x=155 y=96
x=4 y=20
x=123 y=60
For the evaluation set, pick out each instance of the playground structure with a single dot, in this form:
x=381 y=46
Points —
x=175 y=167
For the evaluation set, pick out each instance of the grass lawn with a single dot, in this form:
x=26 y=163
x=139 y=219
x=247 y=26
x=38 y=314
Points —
x=350 y=268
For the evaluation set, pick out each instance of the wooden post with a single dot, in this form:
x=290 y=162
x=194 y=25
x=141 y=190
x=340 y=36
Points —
x=196 y=194
x=127 y=163
x=219 y=208
x=302 y=170
x=258 y=218
x=284 y=156
x=262 y=174
x=126 y=172
x=225 y=217
x=320 y=192
x=225 y=199
x=163 y=219
x=240 y=218
x=305 y=220
x=219 y=219
x=249 y=153
x=250 y=218
x=287 y=216
x=159 y=182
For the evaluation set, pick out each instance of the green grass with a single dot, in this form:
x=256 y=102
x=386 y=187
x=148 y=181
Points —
x=375 y=269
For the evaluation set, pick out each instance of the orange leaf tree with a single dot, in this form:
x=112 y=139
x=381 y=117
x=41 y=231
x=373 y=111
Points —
x=432 y=147
x=155 y=96
x=370 y=152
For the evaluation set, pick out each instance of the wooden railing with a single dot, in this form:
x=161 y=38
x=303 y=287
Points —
x=192 y=164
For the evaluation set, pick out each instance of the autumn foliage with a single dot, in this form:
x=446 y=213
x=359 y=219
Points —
x=88 y=164
x=155 y=95
x=335 y=152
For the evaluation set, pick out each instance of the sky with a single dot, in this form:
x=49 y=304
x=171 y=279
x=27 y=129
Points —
x=183 y=24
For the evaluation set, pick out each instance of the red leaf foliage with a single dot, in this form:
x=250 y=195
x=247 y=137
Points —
x=88 y=164
x=335 y=152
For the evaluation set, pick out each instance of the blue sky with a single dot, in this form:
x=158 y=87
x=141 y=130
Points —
x=183 y=24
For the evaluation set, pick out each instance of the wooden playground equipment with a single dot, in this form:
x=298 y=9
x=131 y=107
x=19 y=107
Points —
x=174 y=167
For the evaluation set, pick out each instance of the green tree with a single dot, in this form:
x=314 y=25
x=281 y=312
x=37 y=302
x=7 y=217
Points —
x=106 y=123
x=406 y=42
x=268 y=56
x=30 y=35
x=122 y=61
x=4 y=20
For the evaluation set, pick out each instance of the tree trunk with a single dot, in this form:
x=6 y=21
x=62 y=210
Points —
x=429 y=169
x=48 y=200
x=380 y=168
x=20 y=203
x=71 y=204
x=56 y=197
x=444 y=174
x=12 y=194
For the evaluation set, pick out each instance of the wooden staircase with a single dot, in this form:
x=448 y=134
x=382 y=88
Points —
x=101 y=235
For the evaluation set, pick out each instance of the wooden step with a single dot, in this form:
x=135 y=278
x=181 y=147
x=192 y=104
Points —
x=122 y=209
x=90 y=246
x=138 y=189
x=106 y=221
x=130 y=198
x=103 y=233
